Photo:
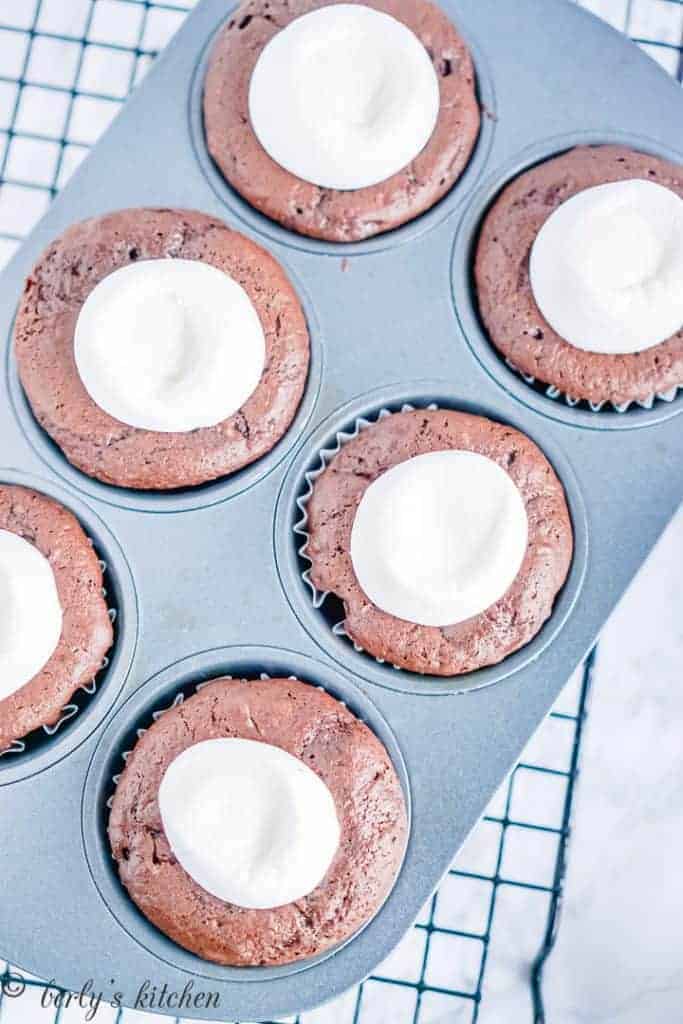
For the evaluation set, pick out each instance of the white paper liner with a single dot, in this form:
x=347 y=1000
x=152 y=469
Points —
x=325 y=456
x=70 y=710
x=180 y=699
x=557 y=395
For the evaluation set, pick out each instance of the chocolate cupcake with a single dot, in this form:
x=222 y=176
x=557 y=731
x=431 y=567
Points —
x=160 y=349
x=579 y=272
x=340 y=121
x=55 y=628
x=258 y=822
x=446 y=536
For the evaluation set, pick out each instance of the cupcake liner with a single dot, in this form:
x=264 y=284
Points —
x=176 y=702
x=551 y=391
x=325 y=456
x=70 y=710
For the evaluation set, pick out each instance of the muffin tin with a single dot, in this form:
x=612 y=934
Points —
x=209 y=581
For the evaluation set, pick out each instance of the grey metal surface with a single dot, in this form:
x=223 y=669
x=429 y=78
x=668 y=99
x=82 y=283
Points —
x=209 y=565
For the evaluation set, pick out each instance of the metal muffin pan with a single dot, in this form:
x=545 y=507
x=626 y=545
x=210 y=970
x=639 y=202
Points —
x=392 y=320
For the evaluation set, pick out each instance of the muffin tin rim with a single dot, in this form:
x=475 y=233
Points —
x=463 y=291
x=136 y=711
x=363 y=665
x=121 y=654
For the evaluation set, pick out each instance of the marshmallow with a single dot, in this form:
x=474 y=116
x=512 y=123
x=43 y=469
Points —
x=606 y=268
x=249 y=822
x=439 y=538
x=169 y=345
x=344 y=97
x=31 y=617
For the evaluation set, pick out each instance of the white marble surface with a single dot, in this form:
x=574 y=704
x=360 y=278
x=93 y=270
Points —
x=619 y=954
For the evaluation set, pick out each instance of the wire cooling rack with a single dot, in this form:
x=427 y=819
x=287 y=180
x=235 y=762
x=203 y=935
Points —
x=477 y=951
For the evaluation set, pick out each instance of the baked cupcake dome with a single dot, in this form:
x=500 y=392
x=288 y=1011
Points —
x=484 y=638
x=305 y=207
x=319 y=732
x=100 y=444
x=508 y=306
x=86 y=630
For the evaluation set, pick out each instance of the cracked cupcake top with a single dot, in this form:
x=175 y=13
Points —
x=508 y=289
x=68 y=274
x=482 y=638
x=321 y=733
x=352 y=213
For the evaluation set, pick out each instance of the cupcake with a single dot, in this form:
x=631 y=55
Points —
x=55 y=628
x=579 y=276
x=160 y=349
x=446 y=536
x=340 y=120
x=258 y=822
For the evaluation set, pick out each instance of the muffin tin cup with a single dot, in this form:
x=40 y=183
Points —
x=254 y=220
x=169 y=688
x=180 y=499
x=547 y=398
x=89 y=704
x=291 y=542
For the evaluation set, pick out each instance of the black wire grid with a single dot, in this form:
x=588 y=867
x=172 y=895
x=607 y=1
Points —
x=66 y=67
